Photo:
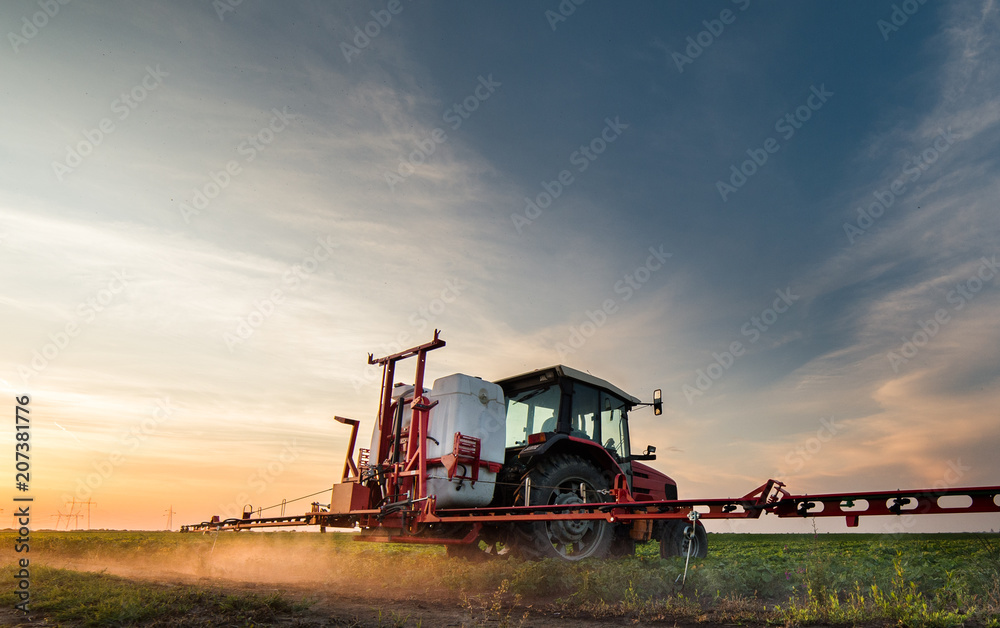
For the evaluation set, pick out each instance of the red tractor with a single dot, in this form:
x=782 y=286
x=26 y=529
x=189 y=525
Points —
x=567 y=439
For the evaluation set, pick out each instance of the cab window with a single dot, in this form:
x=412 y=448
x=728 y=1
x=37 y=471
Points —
x=530 y=412
x=614 y=434
x=584 y=420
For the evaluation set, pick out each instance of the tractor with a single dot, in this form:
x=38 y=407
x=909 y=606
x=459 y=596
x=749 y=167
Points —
x=567 y=438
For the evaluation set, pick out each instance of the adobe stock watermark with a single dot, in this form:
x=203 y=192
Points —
x=797 y=457
x=84 y=313
x=381 y=18
x=627 y=287
x=222 y=7
x=454 y=116
x=962 y=295
x=900 y=15
x=30 y=27
x=248 y=149
x=264 y=308
x=913 y=169
x=701 y=41
x=949 y=479
x=122 y=107
x=261 y=478
x=131 y=441
x=582 y=158
x=423 y=318
x=752 y=329
x=786 y=125
x=564 y=9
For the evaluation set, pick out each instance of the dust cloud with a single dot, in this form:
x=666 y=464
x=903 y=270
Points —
x=317 y=561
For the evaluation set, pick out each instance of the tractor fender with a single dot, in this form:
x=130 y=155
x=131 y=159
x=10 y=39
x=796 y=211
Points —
x=580 y=447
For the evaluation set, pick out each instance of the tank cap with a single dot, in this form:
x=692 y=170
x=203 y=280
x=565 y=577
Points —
x=484 y=397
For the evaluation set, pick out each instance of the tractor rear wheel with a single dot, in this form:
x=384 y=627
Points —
x=564 y=480
x=673 y=542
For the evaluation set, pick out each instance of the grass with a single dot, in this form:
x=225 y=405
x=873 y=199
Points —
x=97 y=599
x=926 y=580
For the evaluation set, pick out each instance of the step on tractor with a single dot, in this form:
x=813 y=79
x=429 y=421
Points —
x=541 y=465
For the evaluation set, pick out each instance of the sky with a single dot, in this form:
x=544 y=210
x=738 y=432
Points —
x=782 y=214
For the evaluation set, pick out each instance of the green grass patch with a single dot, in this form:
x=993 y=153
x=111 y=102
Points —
x=919 y=580
x=97 y=599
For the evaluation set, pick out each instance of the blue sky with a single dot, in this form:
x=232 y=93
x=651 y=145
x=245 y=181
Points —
x=221 y=212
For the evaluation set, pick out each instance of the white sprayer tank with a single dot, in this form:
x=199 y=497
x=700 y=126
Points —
x=473 y=407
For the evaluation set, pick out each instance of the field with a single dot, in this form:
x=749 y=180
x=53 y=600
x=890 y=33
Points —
x=306 y=579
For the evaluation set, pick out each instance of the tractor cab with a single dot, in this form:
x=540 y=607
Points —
x=567 y=439
x=561 y=410
x=560 y=400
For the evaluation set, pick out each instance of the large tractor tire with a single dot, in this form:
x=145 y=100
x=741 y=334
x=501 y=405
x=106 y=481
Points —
x=673 y=541
x=557 y=480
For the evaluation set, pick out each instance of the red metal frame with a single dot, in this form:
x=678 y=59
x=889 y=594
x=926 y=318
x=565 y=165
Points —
x=770 y=497
x=465 y=452
x=349 y=466
x=400 y=479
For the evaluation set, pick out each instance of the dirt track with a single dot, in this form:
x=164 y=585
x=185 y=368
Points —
x=364 y=607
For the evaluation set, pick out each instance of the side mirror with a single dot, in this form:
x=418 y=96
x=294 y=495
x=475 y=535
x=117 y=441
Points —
x=649 y=454
x=657 y=402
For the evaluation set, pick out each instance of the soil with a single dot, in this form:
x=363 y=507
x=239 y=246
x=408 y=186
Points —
x=371 y=608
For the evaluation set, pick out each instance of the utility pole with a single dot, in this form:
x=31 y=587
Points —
x=74 y=514
x=89 y=502
x=170 y=517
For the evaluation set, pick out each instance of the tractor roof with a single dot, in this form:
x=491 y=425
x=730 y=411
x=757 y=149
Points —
x=549 y=373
